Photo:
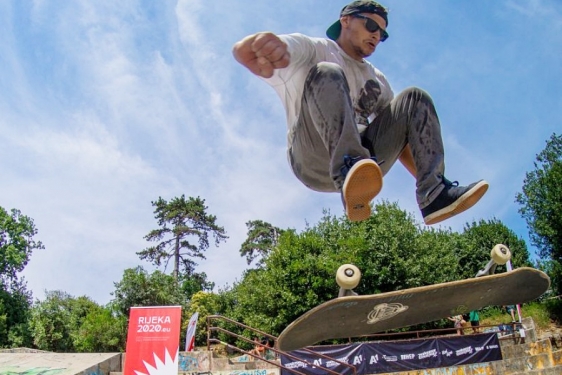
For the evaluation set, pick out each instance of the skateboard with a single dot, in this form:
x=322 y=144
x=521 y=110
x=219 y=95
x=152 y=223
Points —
x=352 y=315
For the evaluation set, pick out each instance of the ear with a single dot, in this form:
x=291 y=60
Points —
x=346 y=26
x=345 y=20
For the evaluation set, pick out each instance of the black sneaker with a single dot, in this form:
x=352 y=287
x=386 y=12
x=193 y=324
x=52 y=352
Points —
x=453 y=200
x=363 y=181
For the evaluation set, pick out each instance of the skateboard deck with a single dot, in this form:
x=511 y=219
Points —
x=353 y=316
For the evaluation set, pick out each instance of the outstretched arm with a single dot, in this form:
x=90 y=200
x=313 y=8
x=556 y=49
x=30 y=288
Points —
x=262 y=53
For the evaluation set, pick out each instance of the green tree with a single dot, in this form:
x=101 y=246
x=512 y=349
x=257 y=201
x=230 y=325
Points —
x=478 y=239
x=102 y=330
x=139 y=288
x=55 y=322
x=541 y=207
x=183 y=234
x=197 y=282
x=262 y=238
x=16 y=243
x=15 y=306
x=205 y=304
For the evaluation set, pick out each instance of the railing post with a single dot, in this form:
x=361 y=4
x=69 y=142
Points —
x=209 y=333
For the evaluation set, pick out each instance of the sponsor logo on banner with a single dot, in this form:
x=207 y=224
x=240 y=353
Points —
x=153 y=341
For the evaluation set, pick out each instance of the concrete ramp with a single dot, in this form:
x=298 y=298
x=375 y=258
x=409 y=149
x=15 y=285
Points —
x=45 y=363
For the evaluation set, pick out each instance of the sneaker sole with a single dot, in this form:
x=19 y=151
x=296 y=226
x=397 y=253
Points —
x=467 y=200
x=362 y=184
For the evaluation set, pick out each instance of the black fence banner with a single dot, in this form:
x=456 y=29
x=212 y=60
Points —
x=402 y=356
x=314 y=365
x=472 y=349
x=373 y=358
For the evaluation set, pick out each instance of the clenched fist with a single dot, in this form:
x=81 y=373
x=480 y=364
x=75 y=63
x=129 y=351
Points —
x=262 y=53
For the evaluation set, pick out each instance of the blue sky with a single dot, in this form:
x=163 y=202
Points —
x=107 y=105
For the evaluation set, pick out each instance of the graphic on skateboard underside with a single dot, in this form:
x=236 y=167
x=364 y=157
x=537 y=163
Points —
x=353 y=316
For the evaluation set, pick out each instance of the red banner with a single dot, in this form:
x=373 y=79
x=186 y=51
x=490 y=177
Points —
x=153 y=340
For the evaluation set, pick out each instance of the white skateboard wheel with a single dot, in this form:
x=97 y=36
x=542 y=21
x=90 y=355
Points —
x=500 y=254
x=348 y=276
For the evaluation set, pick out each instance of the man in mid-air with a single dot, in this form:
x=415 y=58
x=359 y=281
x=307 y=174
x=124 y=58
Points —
x=345 y=127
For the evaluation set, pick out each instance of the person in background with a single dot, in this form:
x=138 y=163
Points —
x=474 y=319
x=511 y=311
x=458 y=323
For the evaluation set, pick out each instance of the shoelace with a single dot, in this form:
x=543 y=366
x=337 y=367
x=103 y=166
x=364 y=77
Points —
x=348 y=162
x=449 y=183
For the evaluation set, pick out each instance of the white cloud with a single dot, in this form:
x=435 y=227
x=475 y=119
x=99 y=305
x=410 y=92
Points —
x=537 y=9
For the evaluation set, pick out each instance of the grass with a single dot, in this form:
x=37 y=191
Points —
x=536 y=310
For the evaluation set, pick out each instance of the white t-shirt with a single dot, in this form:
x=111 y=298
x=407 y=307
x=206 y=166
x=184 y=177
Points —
x=305 y=53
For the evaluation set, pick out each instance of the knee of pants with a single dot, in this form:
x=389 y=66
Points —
x=416 y=94
x=326 y=71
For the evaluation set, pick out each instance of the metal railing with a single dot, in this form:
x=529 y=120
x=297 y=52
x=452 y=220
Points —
x=212 y=328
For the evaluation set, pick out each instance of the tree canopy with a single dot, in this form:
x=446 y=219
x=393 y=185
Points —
x=541 y=207
x=262 y=238
x=183 y=235
x=140 y=288
x=16 y=243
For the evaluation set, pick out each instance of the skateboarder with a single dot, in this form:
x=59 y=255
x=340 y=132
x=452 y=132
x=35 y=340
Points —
x=345 y=127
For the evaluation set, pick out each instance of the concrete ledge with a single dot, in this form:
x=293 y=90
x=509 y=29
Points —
x=60 y=363
x=220 y=364
x=524 y=364
x=548 y=371
x=22 y=350
x=557 y=358
x=474 y=369
x=538 y=362
x=532 y=348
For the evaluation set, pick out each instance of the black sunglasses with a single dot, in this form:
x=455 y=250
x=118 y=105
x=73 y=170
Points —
x=372 y=26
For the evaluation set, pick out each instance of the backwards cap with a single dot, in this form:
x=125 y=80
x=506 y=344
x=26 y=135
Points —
x=355 y=7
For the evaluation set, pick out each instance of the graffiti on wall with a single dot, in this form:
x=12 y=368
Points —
x=252 y=372
x=97 y=371
x=30 y=371
x=242 y=358
x=194 y=362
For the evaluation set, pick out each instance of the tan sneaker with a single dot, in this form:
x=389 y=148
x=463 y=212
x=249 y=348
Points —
x=363 y=182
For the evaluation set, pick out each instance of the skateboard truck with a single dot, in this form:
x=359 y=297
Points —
x=500 y=255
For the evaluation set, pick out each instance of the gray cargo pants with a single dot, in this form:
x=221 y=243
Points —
x=326 y=131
